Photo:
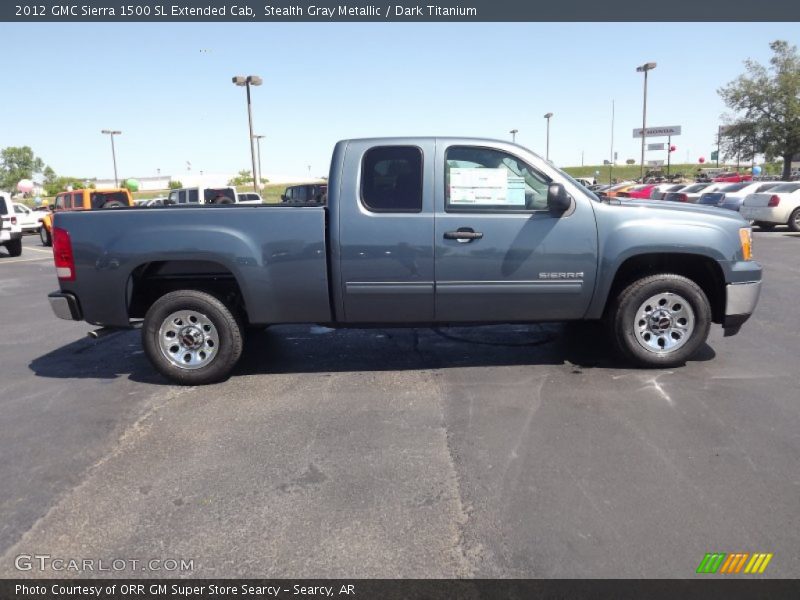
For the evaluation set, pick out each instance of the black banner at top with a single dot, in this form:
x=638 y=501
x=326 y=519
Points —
x=394 y=10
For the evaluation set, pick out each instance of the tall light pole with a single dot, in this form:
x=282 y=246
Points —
x=548 y=116
x=246 y=82
x=258 y=147
x=112 y=133
x=644 y=69
x=513 y=133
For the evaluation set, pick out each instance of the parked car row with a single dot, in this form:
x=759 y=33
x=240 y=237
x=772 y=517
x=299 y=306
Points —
x=765 y=204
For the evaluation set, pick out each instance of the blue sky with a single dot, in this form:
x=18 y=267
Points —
x=167 y=87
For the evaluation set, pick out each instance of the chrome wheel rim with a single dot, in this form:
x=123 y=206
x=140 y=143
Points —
x=188 y=339
x=797 y=219
x=664 y=323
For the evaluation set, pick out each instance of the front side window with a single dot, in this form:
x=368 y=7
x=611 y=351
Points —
x=391 y=179
x=488 y=179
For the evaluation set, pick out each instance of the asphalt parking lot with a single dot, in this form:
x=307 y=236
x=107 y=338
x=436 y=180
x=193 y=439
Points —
x=513 y=451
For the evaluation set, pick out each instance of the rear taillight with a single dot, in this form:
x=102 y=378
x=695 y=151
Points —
x=683 y=198
x=62 y=254
x=774 y=201
x=13 y=220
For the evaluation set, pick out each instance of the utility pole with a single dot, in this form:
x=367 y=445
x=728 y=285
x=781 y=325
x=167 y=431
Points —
x=548 y=116
x=247 y=82
x=112 y=133
x=644 y=69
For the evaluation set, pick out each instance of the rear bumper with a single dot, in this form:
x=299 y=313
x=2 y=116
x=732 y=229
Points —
x=765 y=214
x=65 y=306
x=740 y=302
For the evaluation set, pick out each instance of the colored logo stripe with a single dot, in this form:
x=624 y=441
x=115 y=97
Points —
x=711 y=562
x=722 y=562
x=758 y=563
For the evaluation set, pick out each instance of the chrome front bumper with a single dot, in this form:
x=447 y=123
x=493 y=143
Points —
x=740 y=302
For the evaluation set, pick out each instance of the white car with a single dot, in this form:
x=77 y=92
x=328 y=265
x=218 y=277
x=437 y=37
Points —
x=249 y=198
x=10 y=231
x=777 y=206
x=203 y=195
x=29 y=220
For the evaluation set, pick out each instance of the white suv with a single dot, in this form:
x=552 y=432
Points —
x=203 y=195
x=10 y=231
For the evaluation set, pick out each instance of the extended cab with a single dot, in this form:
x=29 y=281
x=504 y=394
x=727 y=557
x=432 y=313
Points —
x=415 y=231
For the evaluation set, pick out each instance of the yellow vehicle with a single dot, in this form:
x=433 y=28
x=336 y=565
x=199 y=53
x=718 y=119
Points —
x=83 y=200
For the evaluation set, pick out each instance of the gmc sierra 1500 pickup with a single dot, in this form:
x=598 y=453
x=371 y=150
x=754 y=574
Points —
x=416 y=231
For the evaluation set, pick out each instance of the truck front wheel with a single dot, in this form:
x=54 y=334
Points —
x=660 y=320
x=44 y=235
x=191 y=337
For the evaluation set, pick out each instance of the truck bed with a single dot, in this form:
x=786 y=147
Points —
x=278 y=257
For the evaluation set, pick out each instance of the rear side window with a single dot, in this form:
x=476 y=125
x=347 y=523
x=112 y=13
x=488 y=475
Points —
x=194 y=196
x=215 y=194
x=3 y=206
x=786 y=188
x=391 y=179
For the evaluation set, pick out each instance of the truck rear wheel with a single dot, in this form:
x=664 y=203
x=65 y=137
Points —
x=660 y=320
x=191 y=337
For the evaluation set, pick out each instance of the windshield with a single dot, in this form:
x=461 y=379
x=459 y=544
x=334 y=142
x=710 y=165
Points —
x=695 y=188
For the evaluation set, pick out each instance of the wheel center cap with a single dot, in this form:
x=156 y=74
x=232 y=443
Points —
x=191 y=337
x=660 y=321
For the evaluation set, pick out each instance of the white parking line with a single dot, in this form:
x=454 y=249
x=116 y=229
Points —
x=50 y=252
x=19 y=260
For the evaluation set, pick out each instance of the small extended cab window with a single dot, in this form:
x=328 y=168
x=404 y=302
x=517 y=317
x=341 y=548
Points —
x=194 y=196
x=391 y=179
x=486 y=179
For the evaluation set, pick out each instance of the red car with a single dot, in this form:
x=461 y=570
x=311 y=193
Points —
x=641 y=192
x=733 y=177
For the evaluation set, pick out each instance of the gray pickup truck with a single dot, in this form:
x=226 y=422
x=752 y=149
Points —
x=417 y=231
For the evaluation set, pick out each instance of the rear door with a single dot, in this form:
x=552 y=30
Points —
x=385 y=232
x=500 y=254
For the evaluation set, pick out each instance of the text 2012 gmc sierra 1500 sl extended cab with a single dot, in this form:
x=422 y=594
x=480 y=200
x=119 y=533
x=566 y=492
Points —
x=416 y=231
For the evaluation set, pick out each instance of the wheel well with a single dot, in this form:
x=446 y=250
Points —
x=704 y=271
x=150 y=281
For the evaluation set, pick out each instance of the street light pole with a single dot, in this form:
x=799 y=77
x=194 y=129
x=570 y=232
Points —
x=112 y=133
x=547 y=152
x=513 y=133
x=644 y=69
x=258 y=149
x=247 y=82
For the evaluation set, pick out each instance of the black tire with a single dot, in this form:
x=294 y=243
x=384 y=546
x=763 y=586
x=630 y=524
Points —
x=14 y=247
x=623 y=320
x=764 y=226
x=44 y=235
x=794 y=220
x=228 y=329
x=113 y=204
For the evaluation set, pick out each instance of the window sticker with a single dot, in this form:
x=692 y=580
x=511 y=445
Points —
x=489 y=187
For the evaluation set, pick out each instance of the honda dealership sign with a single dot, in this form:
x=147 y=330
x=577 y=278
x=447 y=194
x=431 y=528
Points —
x=658 y=131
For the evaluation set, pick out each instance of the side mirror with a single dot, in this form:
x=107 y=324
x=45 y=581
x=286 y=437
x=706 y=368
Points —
x=51 y=207
x=283 y=197
x=557 y=198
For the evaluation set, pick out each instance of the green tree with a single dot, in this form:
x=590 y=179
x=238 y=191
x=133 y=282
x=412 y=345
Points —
x=243 y=177
x=54 y=185
x=174 y=184
x=766 y=105
x=17 y=162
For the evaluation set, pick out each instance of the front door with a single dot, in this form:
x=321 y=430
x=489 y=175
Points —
x=500 y=255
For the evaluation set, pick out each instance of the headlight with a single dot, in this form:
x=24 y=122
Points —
x=746 y=239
